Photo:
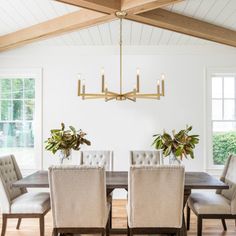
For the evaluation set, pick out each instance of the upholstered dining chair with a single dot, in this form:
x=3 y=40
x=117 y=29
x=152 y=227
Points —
x=99 y=158
x=145 y=157
x=215 y=205
x=78 y=200
x=17 y=202
x=160 y=212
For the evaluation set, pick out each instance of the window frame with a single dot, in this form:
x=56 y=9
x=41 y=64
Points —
x=209 y=73
x=35 y=73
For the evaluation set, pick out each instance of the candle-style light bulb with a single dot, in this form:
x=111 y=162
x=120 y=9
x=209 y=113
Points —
x=162 y=84
x=79 y=76
x=138 y=74
x=103 y=79
x=158 y=89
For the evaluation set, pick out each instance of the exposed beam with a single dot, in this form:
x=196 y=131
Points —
x=73 y=21
x=186 y=25
x=139 y=6
x=104 y=6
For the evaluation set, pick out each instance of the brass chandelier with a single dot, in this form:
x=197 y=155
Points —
x=121 y=96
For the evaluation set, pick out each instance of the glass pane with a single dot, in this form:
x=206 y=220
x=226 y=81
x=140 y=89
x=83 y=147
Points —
x=224 y=126
x=17 y=88
x=223 y=145
x=229 y=87
x=29 y=109
x=5 y=88
x=217 y=109
x=216 y=87
x=18 y=138
x=29 y=88
x=229 y=109
x=17 y=109
x=6 y=110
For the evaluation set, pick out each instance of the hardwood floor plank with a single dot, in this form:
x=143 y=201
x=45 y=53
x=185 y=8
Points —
x=30 y=227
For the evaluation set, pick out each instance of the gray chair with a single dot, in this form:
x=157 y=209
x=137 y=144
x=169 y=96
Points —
x=17 y=202
x=146 y=157
x=215 y=205
x=155 y=199
x=78 y=200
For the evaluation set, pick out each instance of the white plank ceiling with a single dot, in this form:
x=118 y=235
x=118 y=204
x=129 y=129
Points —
x=18 y=14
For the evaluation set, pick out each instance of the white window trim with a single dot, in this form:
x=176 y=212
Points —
x=35 y=73
x=209 y=166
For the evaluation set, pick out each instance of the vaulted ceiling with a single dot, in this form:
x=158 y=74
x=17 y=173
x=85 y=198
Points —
x=19 y=14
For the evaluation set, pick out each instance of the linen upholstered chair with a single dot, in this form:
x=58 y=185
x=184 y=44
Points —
x=78 y=200
x=17 y=202
x=144 y=157
x=162 y=210
x=216 y=205
x=97 y=158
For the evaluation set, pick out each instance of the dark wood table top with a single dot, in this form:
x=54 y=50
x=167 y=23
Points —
x=119 y=179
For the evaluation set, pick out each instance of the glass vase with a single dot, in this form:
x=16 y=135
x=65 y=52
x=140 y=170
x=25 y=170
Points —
x=65 y=157
x=173 y=160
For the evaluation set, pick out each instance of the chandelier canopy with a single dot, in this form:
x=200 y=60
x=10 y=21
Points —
x=121 y=96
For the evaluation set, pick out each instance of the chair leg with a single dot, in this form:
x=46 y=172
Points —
x=103 y=233
x=128 y=230
x=4 y=224
x=41 y=225
x=188 y=217
x=199 y=226
x=110 y=222
x=108 y=227
x=18 y=223
x=224 y=224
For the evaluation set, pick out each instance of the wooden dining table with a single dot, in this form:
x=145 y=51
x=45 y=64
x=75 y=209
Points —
x=119 y=180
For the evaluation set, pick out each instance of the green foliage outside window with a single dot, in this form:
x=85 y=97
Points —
x=224 y=144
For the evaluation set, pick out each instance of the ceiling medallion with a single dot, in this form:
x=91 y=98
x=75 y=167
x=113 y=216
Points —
x=121 y=96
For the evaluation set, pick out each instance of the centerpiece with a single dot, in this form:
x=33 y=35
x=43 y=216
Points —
x=65 y=140
x=176 y=146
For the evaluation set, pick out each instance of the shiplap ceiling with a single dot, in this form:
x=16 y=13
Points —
x=18 y=14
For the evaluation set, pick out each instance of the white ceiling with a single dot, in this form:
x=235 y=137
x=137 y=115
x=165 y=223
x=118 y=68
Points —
x=18 y=14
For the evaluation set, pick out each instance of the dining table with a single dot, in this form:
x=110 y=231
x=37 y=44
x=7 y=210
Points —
x=119 y=180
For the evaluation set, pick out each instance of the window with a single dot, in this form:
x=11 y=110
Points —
x=20 y=118
x=221 y=117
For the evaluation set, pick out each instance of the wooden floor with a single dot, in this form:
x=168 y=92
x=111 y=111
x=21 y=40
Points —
x=31 y=228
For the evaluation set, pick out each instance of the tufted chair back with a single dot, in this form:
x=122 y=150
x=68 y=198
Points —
x=155 y=196
x=9 y=173
x=78 y=196
x=151 y=158
x=97 y=158
x=229 y=177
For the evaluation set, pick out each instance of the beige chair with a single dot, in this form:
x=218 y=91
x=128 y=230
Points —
x=97 y=158
x=219 y=205
x=155 y=199
x=144 y=157
x=78 y=200
x=17 y=202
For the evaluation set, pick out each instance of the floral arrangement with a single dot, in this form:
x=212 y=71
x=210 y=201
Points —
x=180 y=144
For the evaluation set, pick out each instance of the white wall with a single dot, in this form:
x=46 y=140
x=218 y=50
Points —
x=123 y=126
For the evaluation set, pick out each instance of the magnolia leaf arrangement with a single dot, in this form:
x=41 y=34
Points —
x=65 y=140
x=181 y=144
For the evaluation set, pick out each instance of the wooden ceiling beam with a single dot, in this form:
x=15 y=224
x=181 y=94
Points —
x=73 y=21
x=104 y=6
x=186 y=25
x=139 y=6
